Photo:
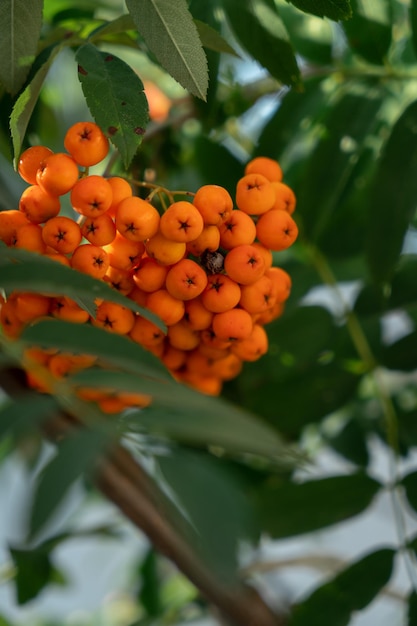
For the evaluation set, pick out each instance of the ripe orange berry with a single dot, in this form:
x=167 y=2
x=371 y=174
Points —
x=244 y=264
x=136 y=219
x=150 y=275
x=30 y=306
x=29 y=237
x=214 y=203
x=254 y=346
x=237 y=229
x=29 y=162
x=91 y=260
x=196 y=314
x=124 y=254
x=254 y=194
x=146 y=333
x=165 y=251
x=57 y=173
x=139 y=296
x=12 y=326
x=121 y=280
x=38 y=205
x=121 y=189
x=212 y=342
x=182 y=336
x=265 y=252
x=266 y=166
x=100 y=230
x=232 y=325
x=10 y=221
x=86 y=143
x=208 y=240
x=114 y=318
x=169 y=309
x=221 y=293
x=186 y=280
x=259 y=296
x=173 y=358
x=69 y=311
x=91 y=196
x=281 y=282
x=285 y=199
x=276 y=230
x=181 y=222
x=62 y=234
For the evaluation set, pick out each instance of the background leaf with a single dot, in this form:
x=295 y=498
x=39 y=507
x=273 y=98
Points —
x=115 y=97
x=171 y=35
x=369 y=30
x=20 y=27
x=333 y=9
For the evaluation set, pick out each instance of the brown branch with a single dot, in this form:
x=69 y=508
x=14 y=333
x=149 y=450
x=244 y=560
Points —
x=123 y=481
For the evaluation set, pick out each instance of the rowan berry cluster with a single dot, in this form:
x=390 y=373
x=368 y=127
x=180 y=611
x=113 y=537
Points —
x=203 y=264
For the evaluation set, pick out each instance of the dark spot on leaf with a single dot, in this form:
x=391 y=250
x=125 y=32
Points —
x=139 y=130
x=109 y=57
x=112 y=130
x=82 y=71
x=123 y=104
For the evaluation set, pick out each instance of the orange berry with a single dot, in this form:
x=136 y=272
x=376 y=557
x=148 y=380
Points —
x=186 y=280
x=211 y=341
x=221 y=293
x=114 y=318
x=271 y=314
x=173 y=358
x=181 y=222
x=146 y=333
x=139 y=296
x=196 y=314
x=29 y=237
x=159 y=103
x=131 y=399
x=111 y=405
x=214 y=203
x=169 y=309
x=254 y=346
x=30 y=306
x=38 y=205
x=136 y=219
x=244 y=264
x=62 y=234
x=91 y=196
x=265 y=252
x=124 y=254
x=165 y=251
x=182 y=336
x=91 y=260
x=59 y=258
x=266 y=166
x=10 y=322
x=208 y=240
x=29 y=162
x=57 y=173
x=69 y=311
x=121 y=189
x=100 y=230
x=254 y=194
x=150 y=275
x=209 y=385
x=232 y=325
x=10 y=221
x=121 y=280
x=276 y=230
x=281 y=282
x=285 y=199
x=258 y=296
x=86 y=143
x=237 y=229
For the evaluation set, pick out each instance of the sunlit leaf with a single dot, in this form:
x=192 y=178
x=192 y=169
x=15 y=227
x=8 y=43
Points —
x=351 y=590
x=213 y=40
x=172 y=36
x=20 y=27
x=115 y=97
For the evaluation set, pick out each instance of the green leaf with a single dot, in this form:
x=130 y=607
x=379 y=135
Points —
x=25 y=413
x=149 y=595
x=409 y=483
x=20 y=27
x=213 y=40
x=351 y=590
x=184 y=415
x=113 y=349
x=369 y=30
x=394 y=185
x=25 y=103
x=262 y=33
x=412 y=609
x=28 y=271
x=212 y=490
x=172 y=36
x=413 y=21
x=288 y=508
x=35 y=571
x=76 y=455
x=350 y=442
x=333 y=9
x=115 y=97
